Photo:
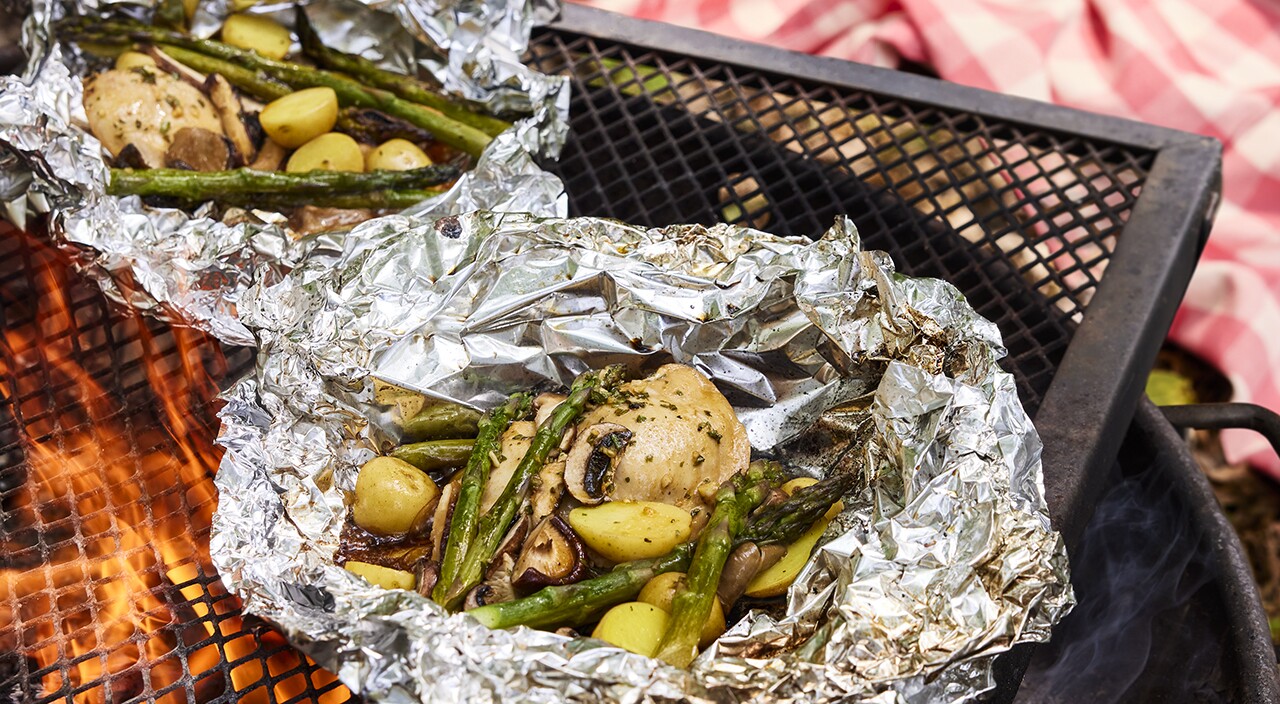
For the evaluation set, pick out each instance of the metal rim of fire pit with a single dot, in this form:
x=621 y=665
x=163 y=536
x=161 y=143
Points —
x=1248 y=632
x=672 y=124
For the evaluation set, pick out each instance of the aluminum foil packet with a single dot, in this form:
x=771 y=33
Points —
x=943 y=557
x=192 y=268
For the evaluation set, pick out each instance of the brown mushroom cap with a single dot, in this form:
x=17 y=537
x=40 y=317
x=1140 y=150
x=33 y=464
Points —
x=198 y=149
x=589 y=466
x=553 y=555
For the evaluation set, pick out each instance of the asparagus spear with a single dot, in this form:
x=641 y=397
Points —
x=374 y=200
x=404 y=86
x=254 y=83
x=575 y=604
x=690 y=607
x=443 y=421
x=350 y=92
x=216 y=185
x=462 y=528
x=579 y=603
x=495 y=523
x=435 y=454
x=784 y=522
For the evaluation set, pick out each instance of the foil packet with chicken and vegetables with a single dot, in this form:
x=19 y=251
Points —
x=196 y=144
x=505 y=457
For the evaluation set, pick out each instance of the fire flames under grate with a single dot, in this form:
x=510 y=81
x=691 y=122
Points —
x=107 y=425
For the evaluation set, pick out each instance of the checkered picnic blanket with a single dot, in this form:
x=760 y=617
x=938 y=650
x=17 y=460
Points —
x=1205 y=66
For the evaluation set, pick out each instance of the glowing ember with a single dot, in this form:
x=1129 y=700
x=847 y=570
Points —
x=106 y=585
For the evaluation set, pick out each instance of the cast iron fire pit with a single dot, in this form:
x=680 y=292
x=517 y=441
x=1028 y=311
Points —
x=1075 y=233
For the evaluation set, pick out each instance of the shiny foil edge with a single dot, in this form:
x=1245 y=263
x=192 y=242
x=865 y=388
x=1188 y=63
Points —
x=951 y=515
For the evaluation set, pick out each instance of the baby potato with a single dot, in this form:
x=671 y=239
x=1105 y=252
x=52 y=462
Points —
x=392 y=496
x=384 y=577
x=631 y=530
x=775 y=580
x=134 y=59
x=396 y=155
x=257 y=33
x=333 y=151
x=660 y=590
x=297 y=118
x=633 y=626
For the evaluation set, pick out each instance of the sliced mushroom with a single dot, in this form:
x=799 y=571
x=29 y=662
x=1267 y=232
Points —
x=170 y=65
x=310 y=219
x=270 y=157
x=428 y=573
x=496 y=588
x=590 y=464
x=515 y=443
x=553 y=555
x=198 y=149
x=509 y=547
x=443 y=515
x=130 y=157
x=544 y=404
x=548 y=487
x=227 y=103
x=744 y=563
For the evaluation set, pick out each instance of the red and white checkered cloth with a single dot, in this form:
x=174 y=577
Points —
x=1205 y=66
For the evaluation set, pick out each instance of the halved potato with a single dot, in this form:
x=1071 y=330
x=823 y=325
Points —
x=660 y=590
x=392 y=496
x=333 y=151
x=631 y=530
x=633 y=626
x=396 y=155
x=257 y=33
x=297 y=118
x=134 y=59
x=384 y=577
x=775 y=580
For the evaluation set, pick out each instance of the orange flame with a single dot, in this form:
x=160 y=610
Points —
x=108 y=584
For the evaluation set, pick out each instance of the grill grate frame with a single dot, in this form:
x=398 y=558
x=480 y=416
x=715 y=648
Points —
x=1021 y=206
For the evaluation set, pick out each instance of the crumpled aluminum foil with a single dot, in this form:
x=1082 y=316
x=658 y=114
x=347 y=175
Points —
x=941 y=559
x=191 y=268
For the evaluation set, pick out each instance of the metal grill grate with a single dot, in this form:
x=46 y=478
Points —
x=1023 y=221
x=1023 y=214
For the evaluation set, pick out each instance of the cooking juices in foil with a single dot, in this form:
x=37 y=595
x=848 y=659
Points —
x=943 y=557
x=193 y=268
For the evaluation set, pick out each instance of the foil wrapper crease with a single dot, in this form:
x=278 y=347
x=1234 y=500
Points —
x=943 y=557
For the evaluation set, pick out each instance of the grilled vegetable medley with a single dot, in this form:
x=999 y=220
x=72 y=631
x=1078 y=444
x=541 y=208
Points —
x=239 y=121
x=629 y=509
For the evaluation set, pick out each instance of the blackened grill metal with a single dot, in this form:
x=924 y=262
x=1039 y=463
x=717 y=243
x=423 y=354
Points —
x=1025 y=207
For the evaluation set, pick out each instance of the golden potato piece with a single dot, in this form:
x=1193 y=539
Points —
x=633 y=626
x=297 y=118
x=392 y=496
x=333 y=151
x=396 y=155
x=257 y=33
x=384 y=577
x=134 y=59
x=631 y=530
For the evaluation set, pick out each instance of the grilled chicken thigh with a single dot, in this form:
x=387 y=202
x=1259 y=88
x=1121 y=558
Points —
x=145 y=108
x=684 y=437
